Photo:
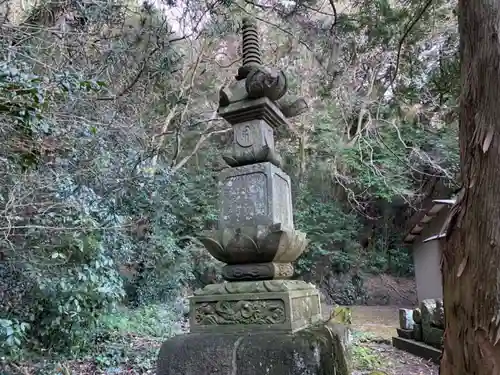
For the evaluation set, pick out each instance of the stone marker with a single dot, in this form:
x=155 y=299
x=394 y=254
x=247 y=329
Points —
x=417 y=315
x=257 y=322
x=417 y=332
x=432 y=322
x=406 y=319
x=425 y=338
x=256 y=237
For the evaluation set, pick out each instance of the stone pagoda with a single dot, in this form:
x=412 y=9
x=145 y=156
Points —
x=256 y=238
x=258 y=321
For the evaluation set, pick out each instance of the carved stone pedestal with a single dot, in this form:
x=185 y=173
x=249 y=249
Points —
x=253 y=306
x=317 y=350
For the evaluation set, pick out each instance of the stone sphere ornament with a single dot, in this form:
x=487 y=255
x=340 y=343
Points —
x=265 y=82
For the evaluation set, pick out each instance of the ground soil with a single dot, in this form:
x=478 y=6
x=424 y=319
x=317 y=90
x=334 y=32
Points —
x=389 y=290
x=379 y=324
x=397 y=362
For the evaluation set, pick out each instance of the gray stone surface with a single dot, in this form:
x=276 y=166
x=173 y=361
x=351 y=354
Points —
x=417 y=332
x=417 y=315
x=427 y=307
x=288 y=310
x=256 y=271
x=417 y=348
x=259 y=245
x=405 y=333
x=253 y=141
x=406 y=319
x=315 y=351
x=433 y=336
x=257 y=194
x=438 y=318
x=254 y=287
x=262 y=109
x=432 y=321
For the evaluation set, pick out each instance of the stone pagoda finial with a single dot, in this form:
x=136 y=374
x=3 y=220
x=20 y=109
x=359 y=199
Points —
x=251 y=48
x=254 y=80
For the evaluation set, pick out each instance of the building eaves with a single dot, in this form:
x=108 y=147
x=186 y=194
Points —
x=426 y=218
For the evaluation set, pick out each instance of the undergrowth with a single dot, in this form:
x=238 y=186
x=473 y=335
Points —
x=126 y=341
x=364 y=357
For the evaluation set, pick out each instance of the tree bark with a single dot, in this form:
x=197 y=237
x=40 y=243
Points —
x=471 y=250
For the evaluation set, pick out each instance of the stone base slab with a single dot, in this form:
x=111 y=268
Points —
x=405 y=333
x=433 y=336
x=318 y=350
x=272 y=305
x=417 y=348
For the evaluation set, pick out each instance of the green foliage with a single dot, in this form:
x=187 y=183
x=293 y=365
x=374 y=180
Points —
x=365 y=358
x=150 y=320
x=331 y=232
x=334 y=236
x=69 y=279
x=12 y=334
x=99 y=226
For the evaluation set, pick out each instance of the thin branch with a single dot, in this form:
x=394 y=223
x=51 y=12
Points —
x=200 y=142
x=334 y=16
x=405 y=34
x=136 y=78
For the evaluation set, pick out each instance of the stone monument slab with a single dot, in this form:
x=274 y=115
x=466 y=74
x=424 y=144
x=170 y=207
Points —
x=406 y=319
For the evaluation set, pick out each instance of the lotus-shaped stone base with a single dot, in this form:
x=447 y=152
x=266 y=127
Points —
x=256 y=244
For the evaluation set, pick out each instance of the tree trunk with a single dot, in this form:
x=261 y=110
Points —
x=471 y=251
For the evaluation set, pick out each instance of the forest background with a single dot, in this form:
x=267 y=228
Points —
x=111 y=147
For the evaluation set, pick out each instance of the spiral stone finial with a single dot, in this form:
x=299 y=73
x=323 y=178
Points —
x=251 y=46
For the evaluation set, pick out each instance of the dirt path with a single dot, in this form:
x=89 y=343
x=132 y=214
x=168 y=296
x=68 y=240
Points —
x=373 y=328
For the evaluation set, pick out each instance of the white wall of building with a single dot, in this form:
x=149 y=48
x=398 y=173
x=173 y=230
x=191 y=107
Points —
x=427 y=261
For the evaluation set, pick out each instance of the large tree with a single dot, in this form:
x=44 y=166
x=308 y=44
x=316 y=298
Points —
x=471 y=255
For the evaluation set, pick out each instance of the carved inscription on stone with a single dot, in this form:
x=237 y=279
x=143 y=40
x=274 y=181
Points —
x=282 y=194
x=270 y=311
x=244 y=135
x=245 y=198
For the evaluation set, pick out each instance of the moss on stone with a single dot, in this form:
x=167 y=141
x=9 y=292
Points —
x=319 y=350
